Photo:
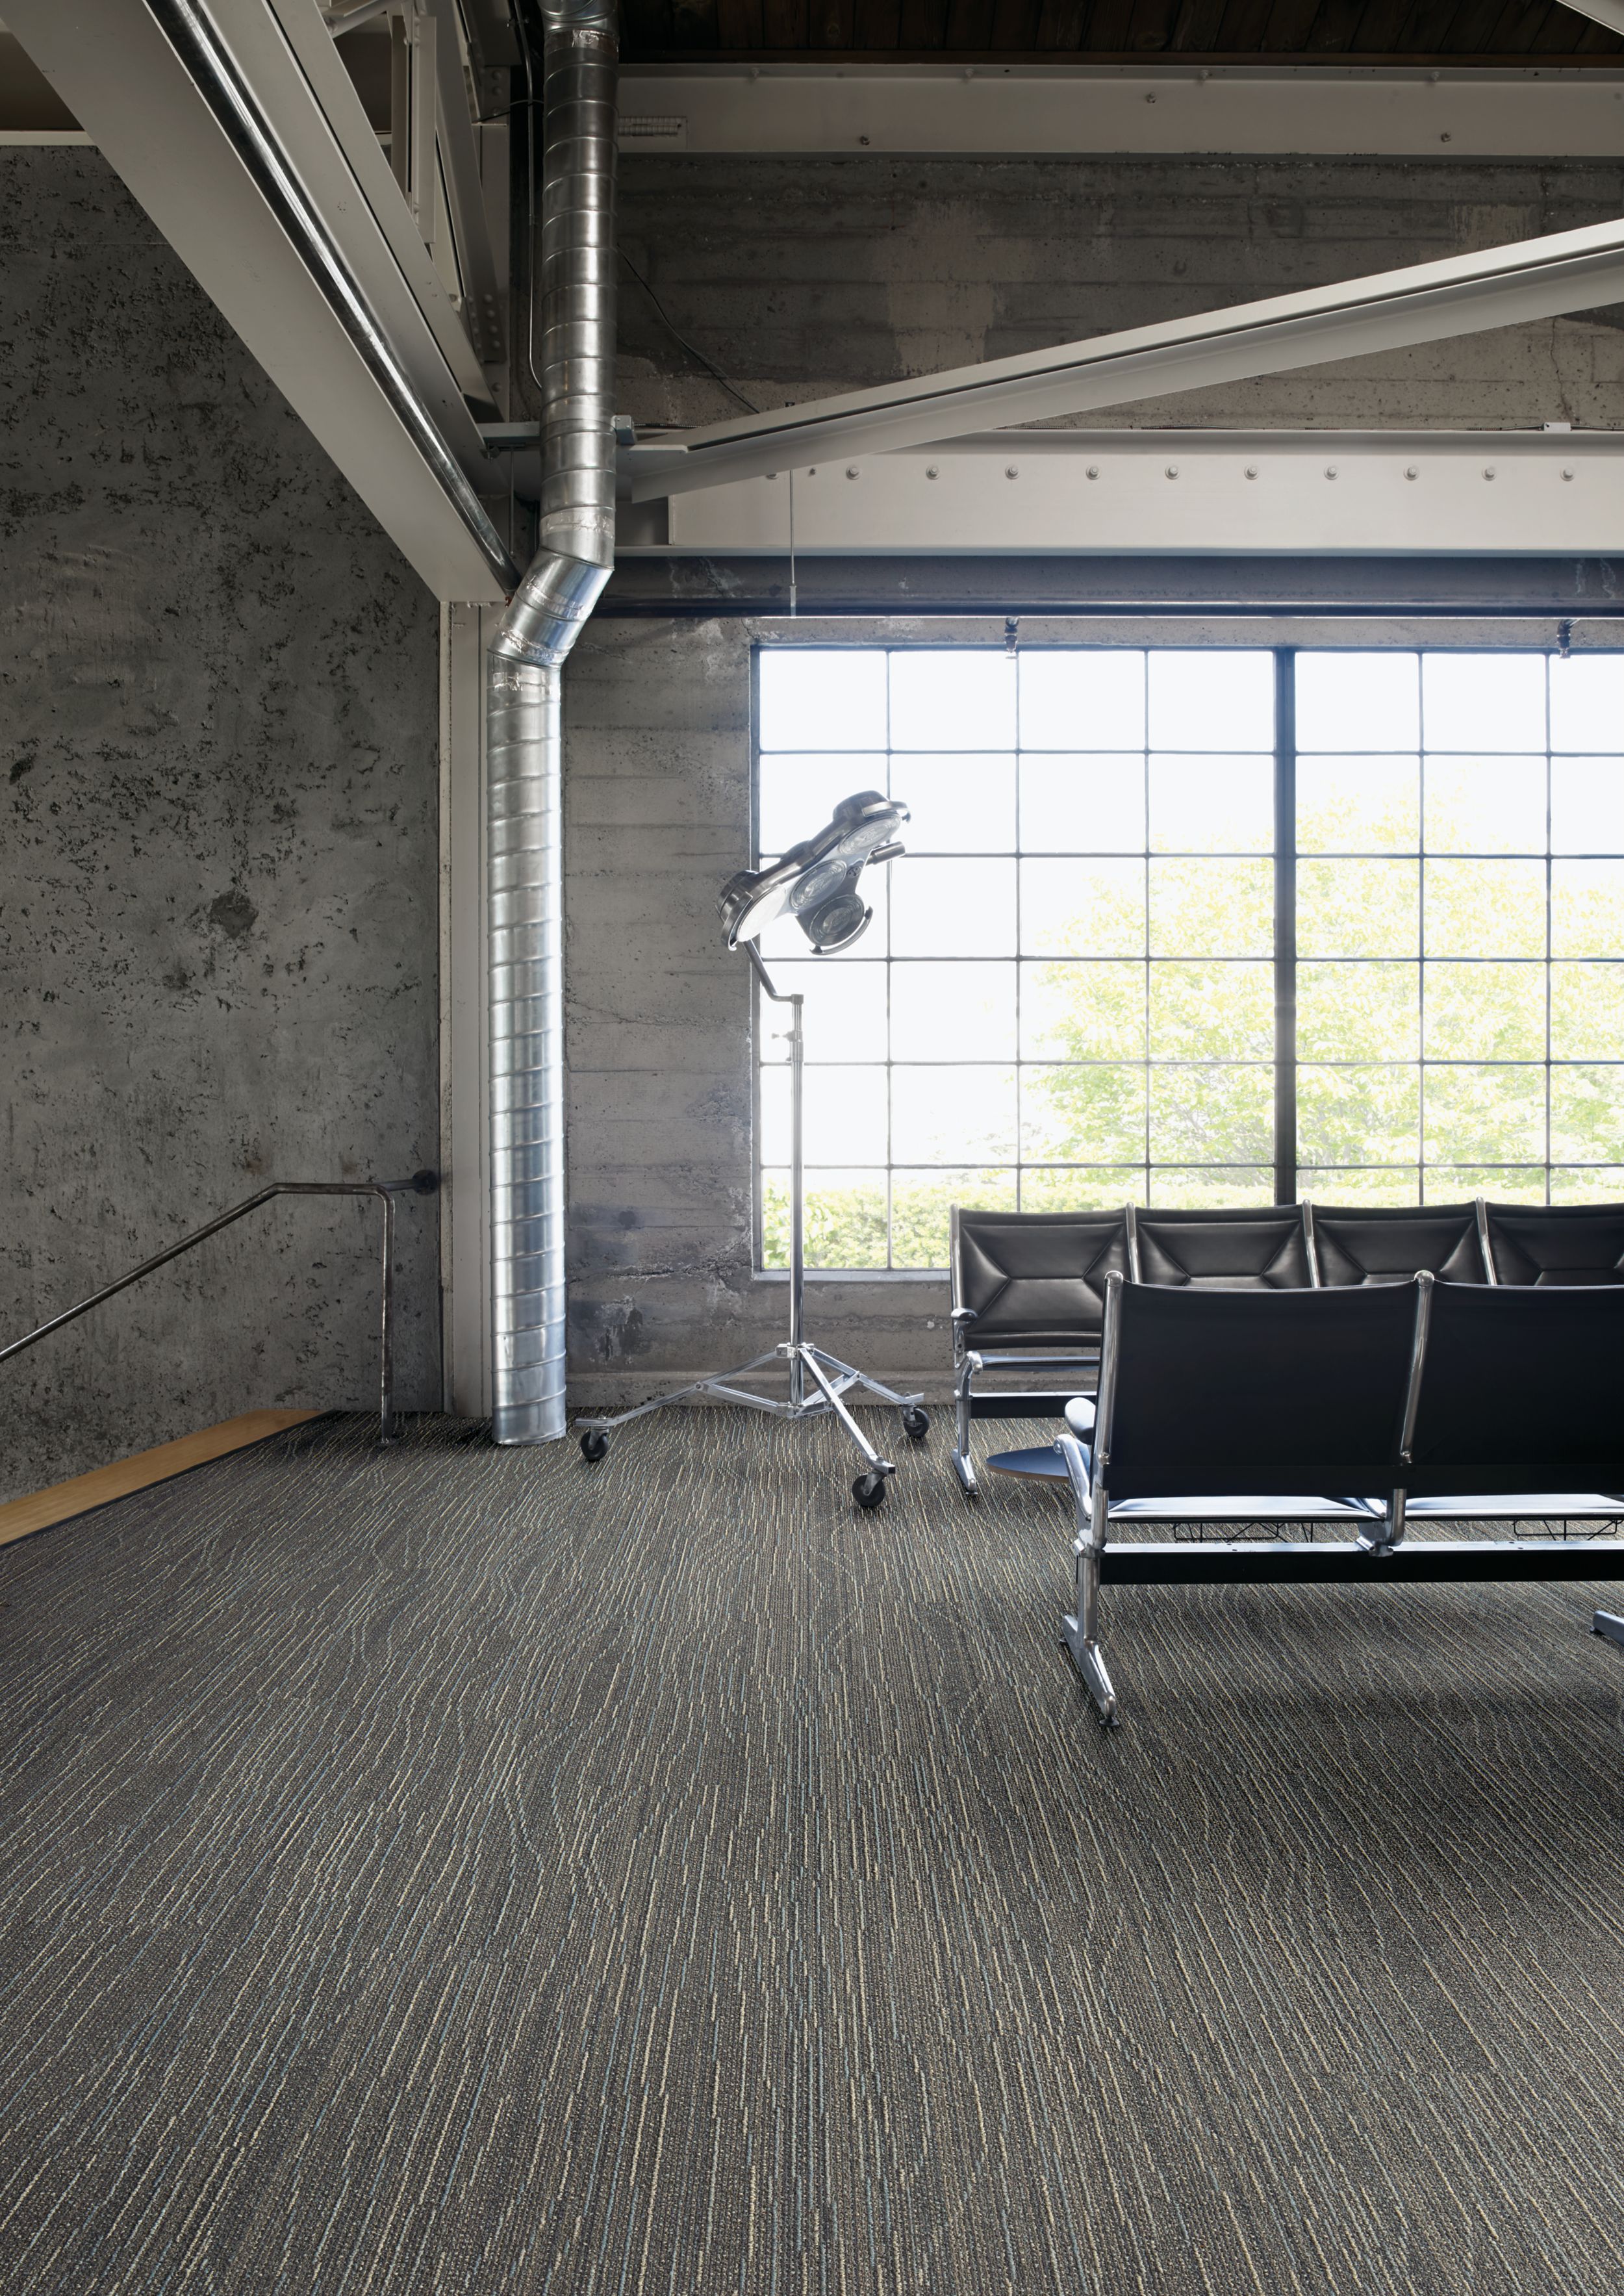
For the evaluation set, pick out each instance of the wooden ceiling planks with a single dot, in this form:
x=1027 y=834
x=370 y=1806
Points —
x=1115 y=31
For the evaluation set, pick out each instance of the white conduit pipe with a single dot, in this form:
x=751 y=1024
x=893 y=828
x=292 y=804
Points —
x=524 y=762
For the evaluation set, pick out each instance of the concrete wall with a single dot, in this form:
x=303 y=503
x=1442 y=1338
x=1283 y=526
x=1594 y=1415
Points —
x=805 y=276
x=800 y=276
x=218 y=728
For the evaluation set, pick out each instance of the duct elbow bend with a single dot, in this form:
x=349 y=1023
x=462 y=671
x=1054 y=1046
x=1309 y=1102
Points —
x=545 y=615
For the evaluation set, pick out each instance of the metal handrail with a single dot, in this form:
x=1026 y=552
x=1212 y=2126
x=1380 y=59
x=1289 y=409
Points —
x=421 y=1184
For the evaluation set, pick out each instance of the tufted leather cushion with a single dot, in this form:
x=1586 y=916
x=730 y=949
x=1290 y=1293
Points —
x=1357 y=1246
x=1558 y=1243
x=1247 y=1251
x=1036 y=1279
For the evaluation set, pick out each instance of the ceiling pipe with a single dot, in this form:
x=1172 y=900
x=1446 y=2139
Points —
x=574 y=282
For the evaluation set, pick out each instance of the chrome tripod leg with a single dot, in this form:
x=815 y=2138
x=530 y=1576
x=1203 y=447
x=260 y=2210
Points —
x=831 y=1394
x=861 y=1379
x=711 y=1381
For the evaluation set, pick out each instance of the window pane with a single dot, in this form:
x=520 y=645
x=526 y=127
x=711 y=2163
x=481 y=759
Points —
x=1212 y=1012
x=799 y=791
x=1082 y=909
x=1367 y=1114
x=845 y=1219
x=1483 y=1012
x=1082 y=805
x=1082 y=1012
x=921 y=1202
x=940 y=1116
x=1212 y=908
x=845 y=1116
x=1211 y=700
x=1359 y=908
x=1602 y=1185
x=1485 y=805
x=1586 y=1012
x=1358 y=805
x=1090 y=1114
x=1588 y=701
x=953 y=908
x=845 y=1010
x=1175 y=1190
x=1587 y=1115
x=1587 y=908
x=952 y=698
x=1485 y=908
x=953 y=1012
x=1335 y=1185
x=1502 y=1184
x=1365 y=700
x=1482 y=701
x=1488 y=1115
x=818 y=699
x=1212 y=804
x=1588 y=805
x=1217 y=1115
x=1358 y=1011
x=1082 y=700
x=958 y=804
x=1080 y=1188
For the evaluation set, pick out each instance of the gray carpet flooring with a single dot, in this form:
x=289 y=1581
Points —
x=452 y=1870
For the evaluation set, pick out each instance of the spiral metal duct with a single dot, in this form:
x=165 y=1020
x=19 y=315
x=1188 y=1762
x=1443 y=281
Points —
x=524 y=762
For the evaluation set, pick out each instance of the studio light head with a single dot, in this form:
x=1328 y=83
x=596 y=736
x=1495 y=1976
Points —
x=816 y=883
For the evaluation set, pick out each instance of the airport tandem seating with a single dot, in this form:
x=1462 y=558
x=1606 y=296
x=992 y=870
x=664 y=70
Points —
x=1029 y=1288
x=1359 y=1408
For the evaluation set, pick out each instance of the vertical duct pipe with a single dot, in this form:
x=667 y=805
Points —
x=575 y=287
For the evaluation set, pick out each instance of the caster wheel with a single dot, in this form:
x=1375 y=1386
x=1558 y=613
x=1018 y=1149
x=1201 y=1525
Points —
x=595 y=1444
x=869 y=1490
x=916 y=1423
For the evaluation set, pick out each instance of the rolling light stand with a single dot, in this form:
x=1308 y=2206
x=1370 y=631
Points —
x=817 y=883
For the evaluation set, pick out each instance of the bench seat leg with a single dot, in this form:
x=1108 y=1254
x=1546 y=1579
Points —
x=1082 y=1632
x=1607 y=1623
x=1089 y=1660
x=963 y=1465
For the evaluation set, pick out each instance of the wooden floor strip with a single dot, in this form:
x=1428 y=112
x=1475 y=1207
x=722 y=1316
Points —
x=40 y=1509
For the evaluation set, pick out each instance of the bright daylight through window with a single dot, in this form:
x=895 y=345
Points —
x=1079 y=987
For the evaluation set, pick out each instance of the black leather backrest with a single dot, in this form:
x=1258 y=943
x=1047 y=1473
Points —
x=1035 y=1279
x=1237 y=1391
x=1557 y=1244
x=1250 y=1250
x=1521 y=1389
x=1361 y=1245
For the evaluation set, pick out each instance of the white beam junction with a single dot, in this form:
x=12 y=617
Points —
x=1079 y=493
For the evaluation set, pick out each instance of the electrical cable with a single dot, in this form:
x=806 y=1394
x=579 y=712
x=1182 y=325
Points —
x=693 y=350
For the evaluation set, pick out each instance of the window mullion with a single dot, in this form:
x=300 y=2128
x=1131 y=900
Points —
x=1286 y=925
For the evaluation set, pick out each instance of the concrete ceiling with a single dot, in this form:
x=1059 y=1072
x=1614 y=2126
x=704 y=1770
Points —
x=1179 y=32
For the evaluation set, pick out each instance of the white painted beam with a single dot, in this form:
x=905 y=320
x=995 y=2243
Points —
x=1073 y=493
x=1610 y=12
x=1545 y=112
x=1426 y=302
x=118 y=75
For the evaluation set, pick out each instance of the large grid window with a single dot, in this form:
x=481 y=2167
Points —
x=1100 y=975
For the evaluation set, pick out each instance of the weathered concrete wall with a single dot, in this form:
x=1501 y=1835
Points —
x=218 y=728
x=800 y=276
x=804 y=276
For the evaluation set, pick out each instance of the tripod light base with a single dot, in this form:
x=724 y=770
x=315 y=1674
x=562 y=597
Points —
x=819 y=1384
